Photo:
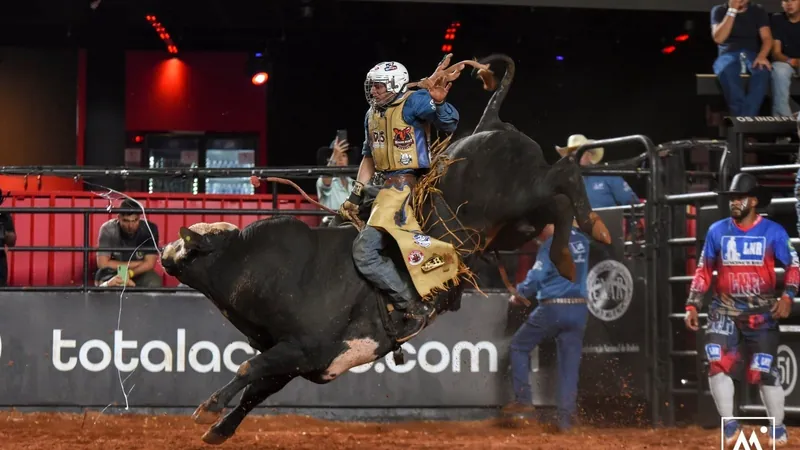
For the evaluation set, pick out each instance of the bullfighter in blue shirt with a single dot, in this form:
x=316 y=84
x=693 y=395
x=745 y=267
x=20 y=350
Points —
x=561 y=314
x=397 y=143
x=603 y=190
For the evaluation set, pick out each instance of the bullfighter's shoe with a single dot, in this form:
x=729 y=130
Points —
x=781 y=436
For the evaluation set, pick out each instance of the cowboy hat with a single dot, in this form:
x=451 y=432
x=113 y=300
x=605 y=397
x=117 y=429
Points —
x=746 y=184
x=575 y=141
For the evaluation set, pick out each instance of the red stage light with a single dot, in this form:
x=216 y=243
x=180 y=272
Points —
x=682 y=38
x=668 y=50
x=162 y=34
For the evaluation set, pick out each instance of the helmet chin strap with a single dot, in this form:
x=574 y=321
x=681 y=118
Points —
x=389 y=101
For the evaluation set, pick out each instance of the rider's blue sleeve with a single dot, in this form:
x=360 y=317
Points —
x=420 y=107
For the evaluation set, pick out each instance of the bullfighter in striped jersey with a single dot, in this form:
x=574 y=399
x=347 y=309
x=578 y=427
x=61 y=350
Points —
x=743 y=249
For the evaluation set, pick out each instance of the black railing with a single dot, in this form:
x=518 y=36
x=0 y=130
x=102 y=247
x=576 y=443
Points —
x=88 y=248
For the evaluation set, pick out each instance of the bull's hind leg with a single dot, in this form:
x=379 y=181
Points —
x=562 y=227
x=565 y=177
x=255 y=393
x=282 y=360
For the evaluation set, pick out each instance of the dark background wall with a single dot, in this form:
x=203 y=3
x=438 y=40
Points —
x=37 y=106
x=613 y=79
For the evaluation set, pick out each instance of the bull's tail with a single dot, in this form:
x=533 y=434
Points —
x=491 y=115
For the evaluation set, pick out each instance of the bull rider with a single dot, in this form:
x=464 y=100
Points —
x=397 y=144
x=743 y=314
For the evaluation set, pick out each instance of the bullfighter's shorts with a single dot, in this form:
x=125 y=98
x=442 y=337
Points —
x=730 y=341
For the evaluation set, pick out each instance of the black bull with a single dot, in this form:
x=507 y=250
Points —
x=295 y=293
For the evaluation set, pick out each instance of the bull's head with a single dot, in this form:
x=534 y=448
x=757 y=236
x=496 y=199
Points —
x=196 y=247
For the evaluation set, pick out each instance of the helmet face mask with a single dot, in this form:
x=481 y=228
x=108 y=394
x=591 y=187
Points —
x=385 y=82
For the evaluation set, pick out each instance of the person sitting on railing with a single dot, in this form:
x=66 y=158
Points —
x=333 y=191
x=603 y=190
x=108 y=277
x=741 y=30
x=8 y=238
x=785 y=55
x=129 y=231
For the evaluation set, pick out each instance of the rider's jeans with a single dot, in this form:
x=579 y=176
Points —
x=379 y=269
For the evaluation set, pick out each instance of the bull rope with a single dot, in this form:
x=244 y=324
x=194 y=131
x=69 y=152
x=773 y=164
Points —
x=256 y=182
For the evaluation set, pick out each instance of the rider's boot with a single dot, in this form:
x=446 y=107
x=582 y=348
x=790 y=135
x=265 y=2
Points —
x=415 y=310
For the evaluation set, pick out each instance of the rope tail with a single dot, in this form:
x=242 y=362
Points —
x=256 y=182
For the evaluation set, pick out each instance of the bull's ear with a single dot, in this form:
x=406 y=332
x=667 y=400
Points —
x=194 y=241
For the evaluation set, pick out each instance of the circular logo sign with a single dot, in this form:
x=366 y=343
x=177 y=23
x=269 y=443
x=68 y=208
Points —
x=610 y=287
x=787 y=368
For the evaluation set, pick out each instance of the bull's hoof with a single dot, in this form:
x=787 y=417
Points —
x=599 y=230
x=203 y=416
x=213 y=438
x=566 y=266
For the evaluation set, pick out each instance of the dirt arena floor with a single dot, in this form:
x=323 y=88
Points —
x=51 y=431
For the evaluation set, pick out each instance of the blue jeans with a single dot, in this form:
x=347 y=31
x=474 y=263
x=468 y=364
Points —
x=727 y=68
x=381 y=270
x=567 y=324
x=782 y=74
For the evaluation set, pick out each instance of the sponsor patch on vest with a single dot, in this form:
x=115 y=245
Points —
x=405 y=159
x=434 y=262
x=403 y=139
x=422 y=240
x=415 y=257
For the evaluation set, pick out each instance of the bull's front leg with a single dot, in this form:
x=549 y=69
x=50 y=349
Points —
x=562 y=227
x=284 y=360
x=255 y=393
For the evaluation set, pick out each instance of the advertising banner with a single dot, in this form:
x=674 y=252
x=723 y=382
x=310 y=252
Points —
x=174 y=350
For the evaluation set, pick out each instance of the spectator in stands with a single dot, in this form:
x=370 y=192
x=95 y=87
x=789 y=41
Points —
x=129 y=231
x=9 y=239
x=741 y=30
x=108 y=277
x=785 y=55
x=333 y=191
x=603 y=190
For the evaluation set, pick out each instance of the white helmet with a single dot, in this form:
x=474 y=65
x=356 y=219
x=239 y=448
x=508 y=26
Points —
x=391 y=73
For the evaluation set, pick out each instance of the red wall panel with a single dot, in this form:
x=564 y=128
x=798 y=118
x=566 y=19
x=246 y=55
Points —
x=40 y=229
x=196 y=91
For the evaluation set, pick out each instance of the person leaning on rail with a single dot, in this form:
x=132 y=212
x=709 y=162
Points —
x=129 y=231
x=744 y=310
x=603 y=190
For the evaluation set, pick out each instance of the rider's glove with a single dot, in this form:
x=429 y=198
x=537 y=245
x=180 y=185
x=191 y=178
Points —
x=349 y=209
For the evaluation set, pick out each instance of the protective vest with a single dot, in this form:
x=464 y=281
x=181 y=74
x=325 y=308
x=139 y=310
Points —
x=394 y=145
